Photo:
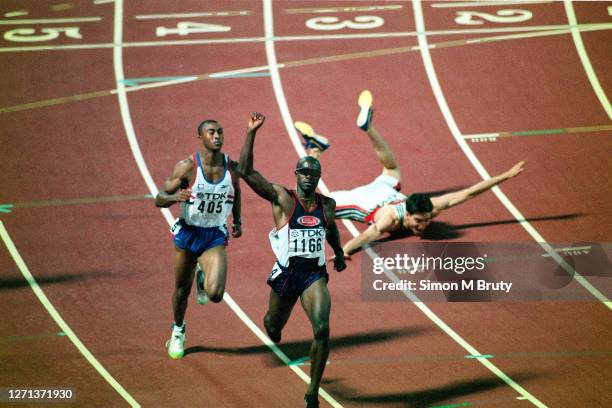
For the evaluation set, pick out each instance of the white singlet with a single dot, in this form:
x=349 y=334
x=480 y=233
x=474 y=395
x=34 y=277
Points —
x=358 y=203
x=210 y=203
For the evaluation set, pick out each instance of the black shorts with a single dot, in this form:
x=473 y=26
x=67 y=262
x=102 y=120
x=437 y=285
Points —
x=292 y=282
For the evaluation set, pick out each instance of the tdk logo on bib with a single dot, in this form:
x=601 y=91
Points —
x=308 y=221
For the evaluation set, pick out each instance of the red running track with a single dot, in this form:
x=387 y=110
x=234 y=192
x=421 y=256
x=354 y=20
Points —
x=106 y=266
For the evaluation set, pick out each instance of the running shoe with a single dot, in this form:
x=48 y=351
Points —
x=176 y=343
x=365 y=110
x=201 y=296
x=311 y=139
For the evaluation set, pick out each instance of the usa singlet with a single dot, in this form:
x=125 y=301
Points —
x=300 y=243
x=210 y=202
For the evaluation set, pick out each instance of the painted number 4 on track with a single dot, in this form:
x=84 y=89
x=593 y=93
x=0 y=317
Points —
x=186 y=27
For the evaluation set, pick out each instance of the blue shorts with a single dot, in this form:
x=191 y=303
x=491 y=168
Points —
x=292 y=282
x=198 y=239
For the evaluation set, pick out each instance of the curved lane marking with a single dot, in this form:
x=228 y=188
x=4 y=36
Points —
x=146 y=175
x=60 y=321
x=584 y=58
x=435 y=85
x=280 y=97
x=288 y=122
x=459 y=138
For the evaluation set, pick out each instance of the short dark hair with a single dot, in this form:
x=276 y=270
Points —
x=419 y=203
x=204 y=123
x=308 y=159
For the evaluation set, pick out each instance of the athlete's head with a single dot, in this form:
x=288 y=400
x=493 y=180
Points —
x=419 y=212
x=211 y=133
x=308 y=173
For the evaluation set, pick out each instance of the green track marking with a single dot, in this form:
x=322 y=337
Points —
x=31 y=337
x=246 y=75
x=463 y=404
x=6 y=208
x=481 y=356
x=492 y=137
x=299 y=361
x=539 y=132
x=138 y=81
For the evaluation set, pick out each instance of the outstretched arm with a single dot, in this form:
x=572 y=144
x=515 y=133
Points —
x=385 y=223
x=333 y=235
x=253 y=178
x=173 y=190
x=452 y=199
x=369 y=235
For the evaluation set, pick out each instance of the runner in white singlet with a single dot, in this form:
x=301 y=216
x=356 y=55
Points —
x=206 y=186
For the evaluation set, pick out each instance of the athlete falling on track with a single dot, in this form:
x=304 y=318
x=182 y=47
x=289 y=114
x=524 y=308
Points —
x=207 y=188
x=380 y=203
x=303 y=221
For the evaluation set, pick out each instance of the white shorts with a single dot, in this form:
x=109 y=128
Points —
x=358 y=203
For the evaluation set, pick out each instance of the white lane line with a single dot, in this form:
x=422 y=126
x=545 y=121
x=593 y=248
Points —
x=282 y=102
x=252 y=70
x=146 y=175
x=528 y=30
x=584 y=58
x=193 y=15
x=288 y=122
x=425 y=55
x=16 y=13
x=488 y=3
x=159 y=84
x=51 y=20
x=452 y=125
x=342 y=9
x=59 y=320
x=62 y=7
x=96 y=2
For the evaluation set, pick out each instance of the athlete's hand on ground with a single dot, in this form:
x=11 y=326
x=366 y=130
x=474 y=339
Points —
x=515 y=170
x=183 y=194
x=257 y=119
x=236 y=230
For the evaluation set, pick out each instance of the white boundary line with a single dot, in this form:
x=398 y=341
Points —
x=59 y=320
x=452 y=125
x=526 y=29
x=490 y=3
x=51 y=21
x=288 y=122
x=584 y=58
x=190 y=15
x=146 y=175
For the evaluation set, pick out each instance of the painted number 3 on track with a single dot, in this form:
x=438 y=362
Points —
x=328 y=23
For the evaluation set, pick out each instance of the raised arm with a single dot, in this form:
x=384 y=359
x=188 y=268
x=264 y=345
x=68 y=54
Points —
x=452 y=199
x=253 y=178
x=175 y=188
x=333 y=235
